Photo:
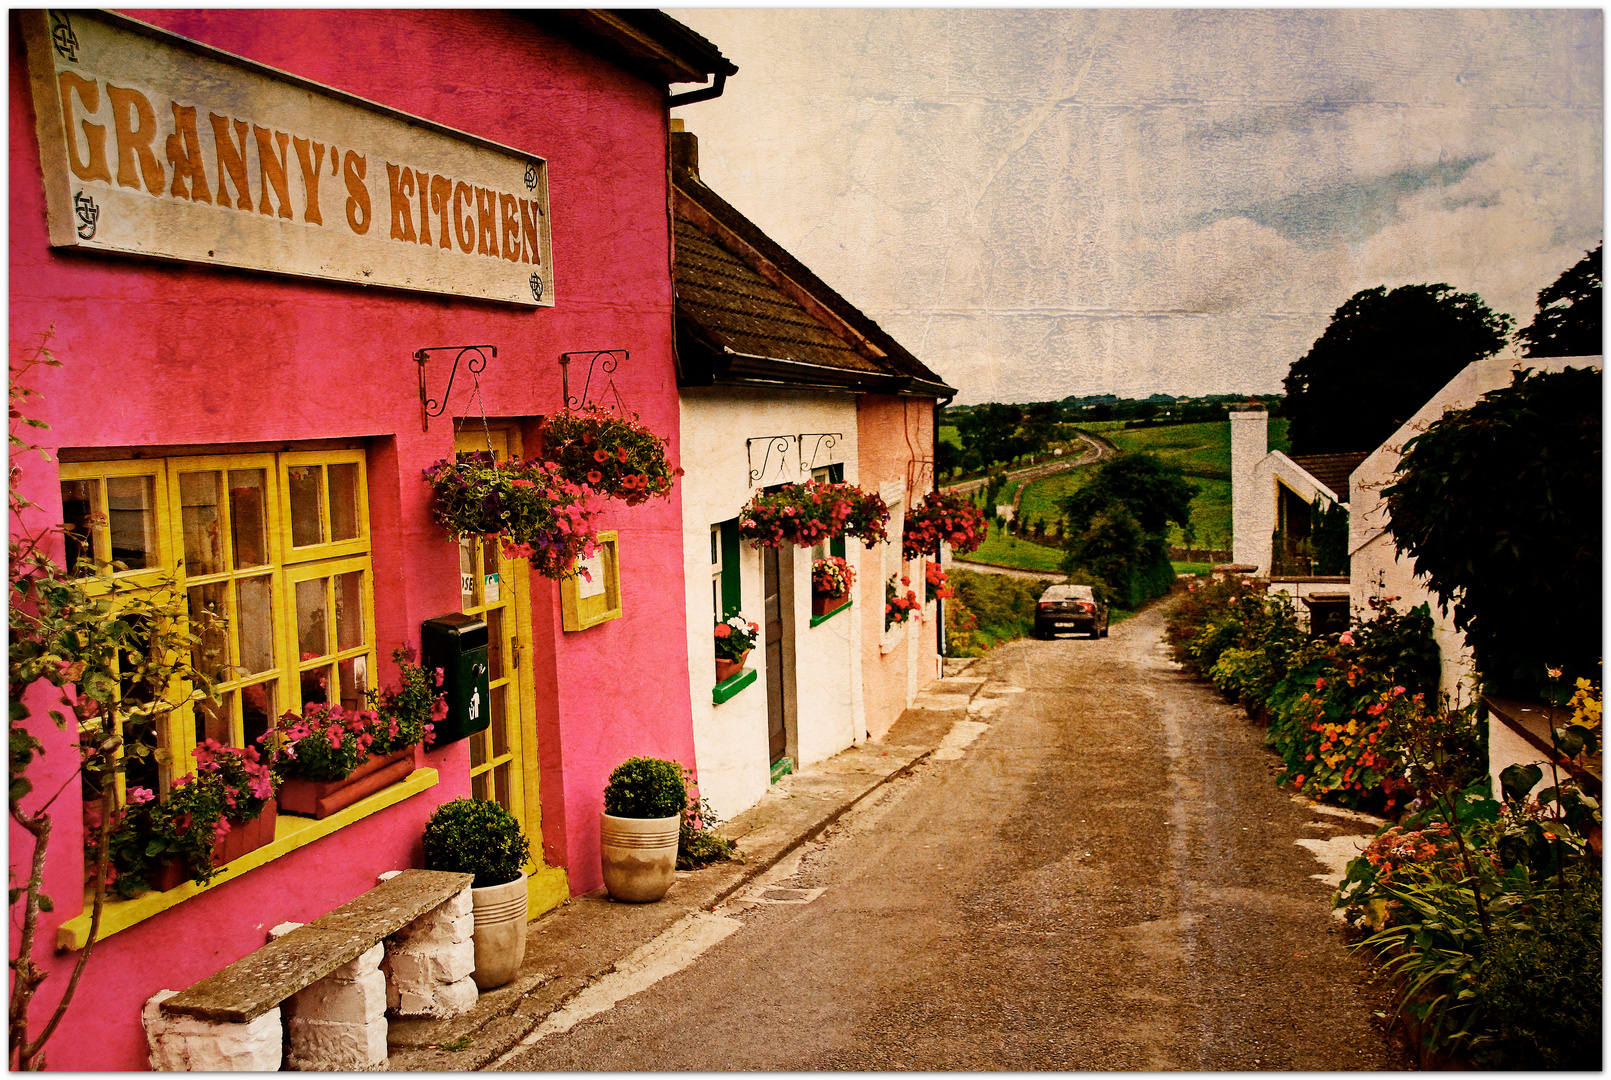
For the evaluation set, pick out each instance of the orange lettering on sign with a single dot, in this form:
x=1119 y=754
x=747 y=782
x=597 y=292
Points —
x=441 y=195
x=271 y=170
x=184 y=154
x=231 y=160
x=509 y=219
x=134 y=139
x=89 y=92
x=358 y=212
x=423 y=181
x=401 y=182
x=529 y=213
x=310 y=177
x=462 y=221
x=486 y=220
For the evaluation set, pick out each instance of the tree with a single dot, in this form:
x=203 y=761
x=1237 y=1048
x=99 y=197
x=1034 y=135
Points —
x=1568 y=319
x=992 y=430
x=1118 y=524
x=1382 y=356
x=1499 y=504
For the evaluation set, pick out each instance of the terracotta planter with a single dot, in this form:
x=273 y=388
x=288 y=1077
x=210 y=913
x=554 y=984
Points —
x=243 y=837
x=639 y=856
x=823 y=602
x=500 y=932
x=321 y=798
x=726 y=669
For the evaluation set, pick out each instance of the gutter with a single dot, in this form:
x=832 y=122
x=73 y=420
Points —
x=733 y=367
x=703 y=94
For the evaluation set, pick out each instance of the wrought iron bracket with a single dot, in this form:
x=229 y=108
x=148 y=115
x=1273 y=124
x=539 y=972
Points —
x=919 y=479
x=826 y=440
x=477 y=363
x=780 y=443
x=605 y=361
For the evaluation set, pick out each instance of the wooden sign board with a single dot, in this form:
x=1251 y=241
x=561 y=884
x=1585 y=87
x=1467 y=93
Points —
x=152 y=144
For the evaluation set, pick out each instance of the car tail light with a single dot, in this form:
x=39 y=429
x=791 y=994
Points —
x=1045 y=605
x=1085 y=606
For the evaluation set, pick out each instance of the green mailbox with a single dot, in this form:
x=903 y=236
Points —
x=458 y=645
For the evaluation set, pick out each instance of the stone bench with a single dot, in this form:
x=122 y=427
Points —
x=320 y=992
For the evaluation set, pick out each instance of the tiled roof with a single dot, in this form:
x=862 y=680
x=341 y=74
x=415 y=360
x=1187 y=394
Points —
x=1331 y=469
x=734 y=306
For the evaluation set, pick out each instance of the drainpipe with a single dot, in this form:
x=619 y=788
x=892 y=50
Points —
x=934 y=456
x=705 y=94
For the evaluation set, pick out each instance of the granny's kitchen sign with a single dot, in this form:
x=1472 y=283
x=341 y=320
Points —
x=155 y=145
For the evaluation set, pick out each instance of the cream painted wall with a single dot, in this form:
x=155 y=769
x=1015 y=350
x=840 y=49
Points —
x=730 y=739
x=1376 y=568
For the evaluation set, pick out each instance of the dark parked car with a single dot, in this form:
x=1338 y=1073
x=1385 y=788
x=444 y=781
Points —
x=1070 y=608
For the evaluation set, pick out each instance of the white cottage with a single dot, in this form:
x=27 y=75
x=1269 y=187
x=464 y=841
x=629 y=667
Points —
x=772 y=368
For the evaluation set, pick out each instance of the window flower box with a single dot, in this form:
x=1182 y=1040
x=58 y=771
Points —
x=321 y=798
x=243 y=838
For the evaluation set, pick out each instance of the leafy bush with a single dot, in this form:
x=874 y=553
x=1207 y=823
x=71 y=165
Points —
x=645 y=787
x=1003 y=606
x=475 y=836
x=697 y=843
x=407 y=713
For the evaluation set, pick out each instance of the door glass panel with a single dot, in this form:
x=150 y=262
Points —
x=258 y=710
x=500 y=737
x=494 y=617
x=209 y=622
x=248 y=517
x=501 y=784
x=212 y=720
x=307 y=505
x=478 y=749
x=343 y=501
x=350 y=610
x=479 y=786
x=467 y=572
x=80 y=504
x=312 y=618
x=203 y=522
x=131 y=512
x=254 y=623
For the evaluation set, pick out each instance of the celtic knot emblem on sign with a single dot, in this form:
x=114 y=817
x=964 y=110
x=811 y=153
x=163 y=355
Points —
x=531 y=176
x=88 y=215
x=62 y=36
x=536 y=287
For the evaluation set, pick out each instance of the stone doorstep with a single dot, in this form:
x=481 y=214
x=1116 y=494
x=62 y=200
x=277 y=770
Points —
x=259 y=981
x=575 y=944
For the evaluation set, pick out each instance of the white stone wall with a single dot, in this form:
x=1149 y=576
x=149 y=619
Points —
x=1377 y=570
x=730 y=739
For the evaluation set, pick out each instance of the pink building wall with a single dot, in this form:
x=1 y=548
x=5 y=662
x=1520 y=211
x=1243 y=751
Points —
x=168 y=353
x=893 y=433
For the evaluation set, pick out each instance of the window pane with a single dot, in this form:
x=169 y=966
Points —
x=479 y=786
x=212 y=720
x=315 y=686
x=312 y=618
x=210 y=623
x=354 y=681
x=254 y=623
x=131 y=511
x=467 y=572
x=258 y=709
x=343 y=501
x=350 y=610
x=203 y=522
x=500 y=737
x=307 y=506
x=248 y=517
x=494 y=617
x=80 y=505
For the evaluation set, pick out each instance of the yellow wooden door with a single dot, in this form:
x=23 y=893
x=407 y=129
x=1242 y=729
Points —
x=503 y=758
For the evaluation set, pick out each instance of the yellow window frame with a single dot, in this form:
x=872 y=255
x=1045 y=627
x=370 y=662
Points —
x=581 y=612
x=327 y=548
x=331 y=569
x=101 y=533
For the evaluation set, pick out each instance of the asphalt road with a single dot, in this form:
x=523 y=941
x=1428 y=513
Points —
x=1104 y=878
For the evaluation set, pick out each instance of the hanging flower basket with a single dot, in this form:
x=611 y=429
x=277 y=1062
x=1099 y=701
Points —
x=533 y=511
x=938 y=585
x=942 y=516
x=813 y=513
x=614 y=455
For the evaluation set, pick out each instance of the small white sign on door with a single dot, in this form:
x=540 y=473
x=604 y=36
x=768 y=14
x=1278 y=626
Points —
x=590 y=583
x=467 y=586
x=490 y=589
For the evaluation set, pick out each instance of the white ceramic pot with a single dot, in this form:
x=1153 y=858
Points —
x=500 y=932
x=639 y=856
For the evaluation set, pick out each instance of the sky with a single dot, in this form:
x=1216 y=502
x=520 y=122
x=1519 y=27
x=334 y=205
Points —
x=1056 y=202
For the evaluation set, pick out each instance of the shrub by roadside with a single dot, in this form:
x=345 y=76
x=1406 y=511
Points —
x=1003 y=607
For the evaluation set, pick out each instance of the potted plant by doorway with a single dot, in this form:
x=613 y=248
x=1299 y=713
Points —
x=472 y=836
x=640 y=826
x=734 y=640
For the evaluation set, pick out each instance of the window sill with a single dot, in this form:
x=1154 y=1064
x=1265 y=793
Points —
x=732 y=685
x=818 y=620
x=290 y=833
x=892 y=638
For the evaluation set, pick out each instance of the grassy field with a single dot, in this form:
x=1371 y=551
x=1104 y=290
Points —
x=999 y=549
x=949 y=434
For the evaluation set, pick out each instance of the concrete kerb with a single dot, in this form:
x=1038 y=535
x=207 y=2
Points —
x=585 y=938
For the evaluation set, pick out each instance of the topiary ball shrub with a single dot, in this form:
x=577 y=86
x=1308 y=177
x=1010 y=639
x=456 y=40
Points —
x=644 y=787
x=471 y=836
